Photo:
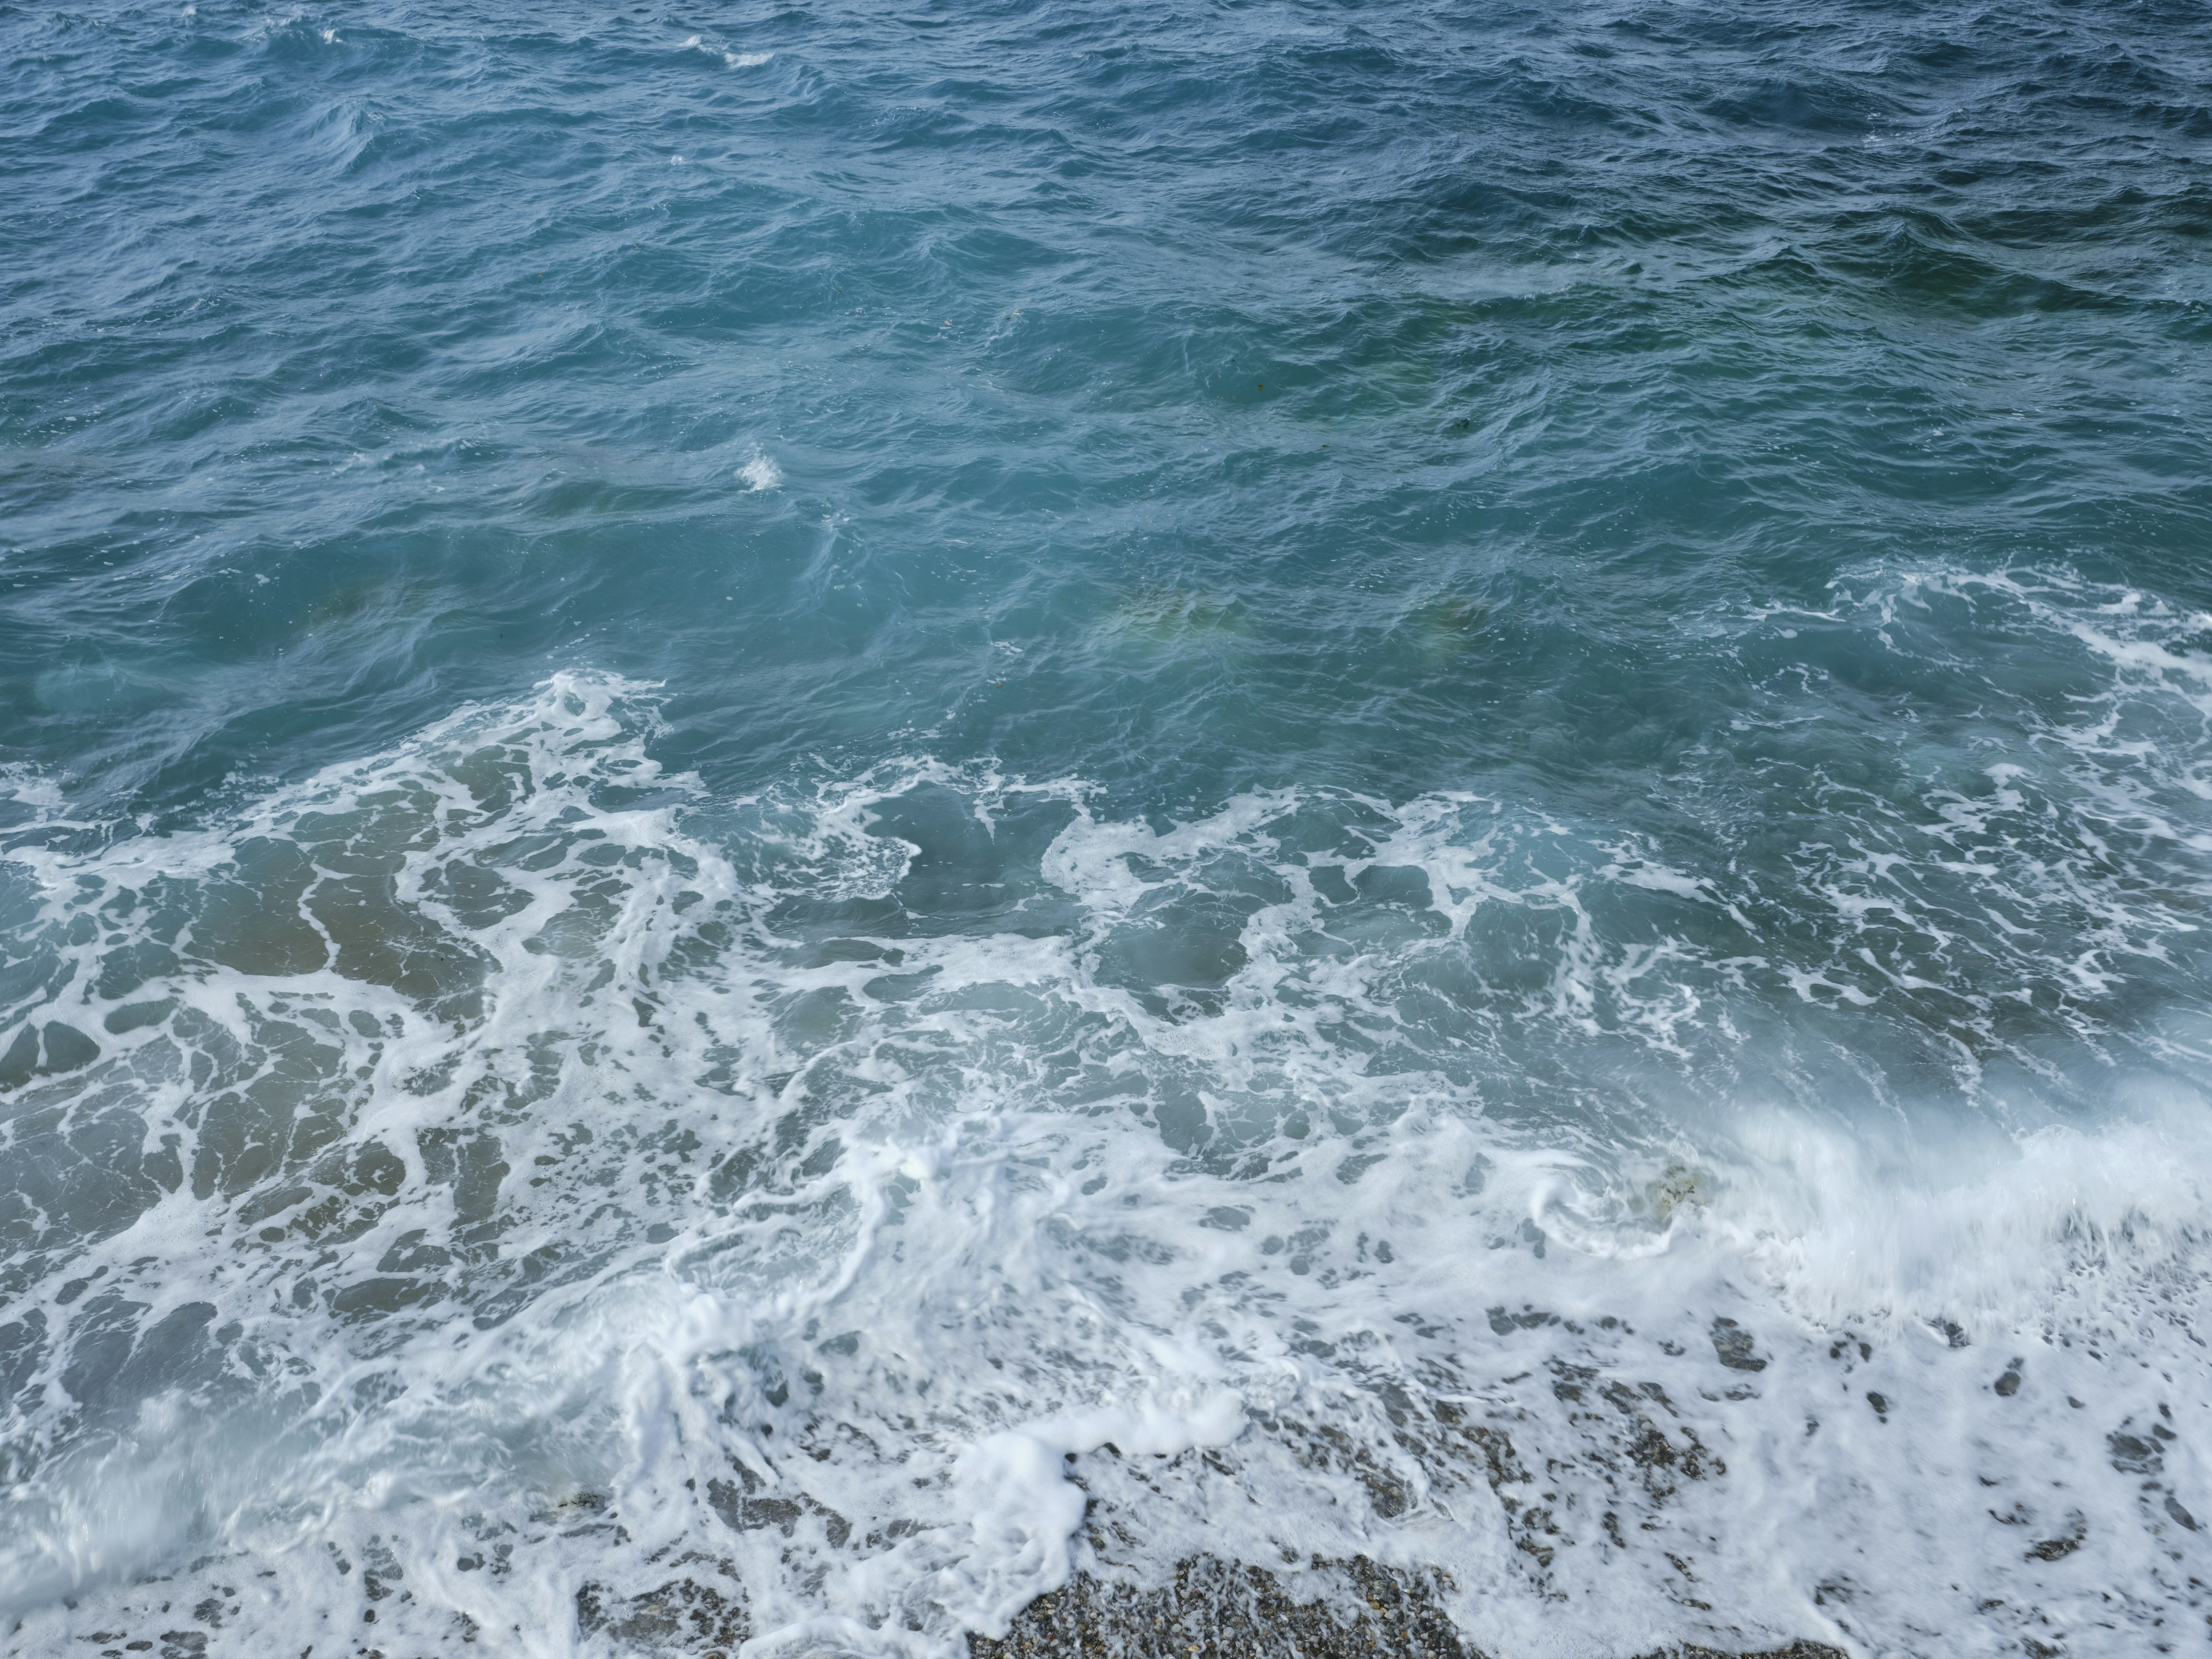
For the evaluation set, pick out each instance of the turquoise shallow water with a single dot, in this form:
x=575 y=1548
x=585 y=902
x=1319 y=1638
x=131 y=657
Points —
x=886 y=725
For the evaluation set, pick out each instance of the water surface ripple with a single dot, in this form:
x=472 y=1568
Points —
x=1423 y=780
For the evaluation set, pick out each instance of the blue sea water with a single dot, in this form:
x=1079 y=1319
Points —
x=860 y=803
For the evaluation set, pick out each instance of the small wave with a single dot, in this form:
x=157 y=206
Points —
x=735 y=60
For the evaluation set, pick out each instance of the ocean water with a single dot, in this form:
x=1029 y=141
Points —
x=849 y=804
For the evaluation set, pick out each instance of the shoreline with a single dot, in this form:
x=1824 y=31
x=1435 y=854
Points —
x=1220 y=1609
x=1356 y=1608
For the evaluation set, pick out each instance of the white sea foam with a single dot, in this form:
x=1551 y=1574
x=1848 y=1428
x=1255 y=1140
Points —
x=761 y=472
x=511 y=1180
x=735 y=60
x=28 y=787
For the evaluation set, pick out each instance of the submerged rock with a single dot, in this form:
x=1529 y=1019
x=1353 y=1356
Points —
x=1222 y=1610
x=1176 y=616
x=1449 y=626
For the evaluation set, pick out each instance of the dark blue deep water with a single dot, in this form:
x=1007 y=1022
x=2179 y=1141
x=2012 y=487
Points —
x=939 y=734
